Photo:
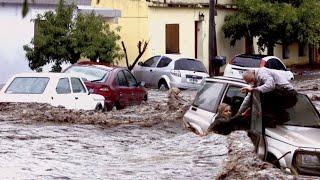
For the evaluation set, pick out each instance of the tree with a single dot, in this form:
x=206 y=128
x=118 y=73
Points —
x=91 y=37
x=59 y=39
x=274 y=22
x=141 y=50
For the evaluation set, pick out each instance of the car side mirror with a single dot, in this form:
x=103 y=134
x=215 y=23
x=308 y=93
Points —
x=140 y=63
x=142 y=84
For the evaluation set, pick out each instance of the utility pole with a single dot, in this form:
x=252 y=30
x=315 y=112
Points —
x=212 y=38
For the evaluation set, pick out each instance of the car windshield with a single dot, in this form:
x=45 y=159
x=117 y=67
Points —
x=89 y=73
x=208 y=97
x=303 y=113
x=246 y=61
x=27 y=85
x=190 y=65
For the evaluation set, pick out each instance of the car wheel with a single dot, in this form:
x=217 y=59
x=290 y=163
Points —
x=108 y=107
x=118 y=106
x=163 y=86
x=273 y=160
x=99 y=108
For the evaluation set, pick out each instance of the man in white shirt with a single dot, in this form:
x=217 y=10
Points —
x=277 y=94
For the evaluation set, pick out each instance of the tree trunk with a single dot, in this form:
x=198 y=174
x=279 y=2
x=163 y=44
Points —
x=270 y=50
x=249 y=45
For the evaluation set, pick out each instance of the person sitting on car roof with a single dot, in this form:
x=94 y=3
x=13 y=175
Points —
x=225 y=124
x=277 y=92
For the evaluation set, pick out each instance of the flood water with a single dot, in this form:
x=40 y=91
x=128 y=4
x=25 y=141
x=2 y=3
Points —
x=49 y=151
x=165 y=150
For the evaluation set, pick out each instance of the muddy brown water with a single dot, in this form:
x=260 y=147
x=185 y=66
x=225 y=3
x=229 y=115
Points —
x=140 y=142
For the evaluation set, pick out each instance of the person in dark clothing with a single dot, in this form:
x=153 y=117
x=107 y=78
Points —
x=277 y=94
x=225 y=124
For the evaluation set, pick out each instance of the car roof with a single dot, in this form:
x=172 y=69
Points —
x=42 y=74
x=255 y=56
x=177 y=56
x=104 y=66
x=230 y=80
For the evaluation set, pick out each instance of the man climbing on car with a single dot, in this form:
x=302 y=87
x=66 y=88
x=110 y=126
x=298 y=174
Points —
x=277 y=94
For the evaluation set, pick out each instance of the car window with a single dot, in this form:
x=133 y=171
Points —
x=27 y=85
x=303 y=113
x=208 y=97
x=89 y=73
x=121 y=80
x=164 y=62
x=190 y=65
x=63 y=86
x=246 y=61
x=234 y=98
x=275 y=64
x=77 y=86
x=131 y=80
x=151 y=62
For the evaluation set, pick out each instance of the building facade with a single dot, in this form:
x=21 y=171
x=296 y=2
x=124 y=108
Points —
x=182 y=26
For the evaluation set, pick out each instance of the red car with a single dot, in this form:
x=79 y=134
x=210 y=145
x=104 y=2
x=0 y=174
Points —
x=118 y=86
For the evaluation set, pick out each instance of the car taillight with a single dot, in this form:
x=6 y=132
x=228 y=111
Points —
x=176 y=73
x=104 y=89
x=262 y=63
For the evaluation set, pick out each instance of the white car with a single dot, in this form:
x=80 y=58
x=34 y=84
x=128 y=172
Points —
x=56 y=89
x=243 y=62
x=171 y=70
x=293 y=146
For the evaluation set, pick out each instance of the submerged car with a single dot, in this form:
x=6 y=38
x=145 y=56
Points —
x=293 y=146
x=171 y=70
x=56 y=89
x=117 y=85
x=243 y=62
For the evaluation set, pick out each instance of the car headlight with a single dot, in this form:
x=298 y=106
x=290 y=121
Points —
x=307 y=162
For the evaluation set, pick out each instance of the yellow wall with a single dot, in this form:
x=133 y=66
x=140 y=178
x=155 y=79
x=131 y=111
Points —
x=186 y=17
x=133 y=23
x=140 y=22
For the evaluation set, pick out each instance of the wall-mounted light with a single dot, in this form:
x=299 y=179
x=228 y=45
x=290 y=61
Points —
x=201 y=16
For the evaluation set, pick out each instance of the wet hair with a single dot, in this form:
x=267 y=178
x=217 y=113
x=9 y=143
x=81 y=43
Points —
x=222 y=108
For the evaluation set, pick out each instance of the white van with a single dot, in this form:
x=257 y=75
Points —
x=56 y=89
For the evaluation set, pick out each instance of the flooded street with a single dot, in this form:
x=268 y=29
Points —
x=123 y=148
x=48 y=151
x=140 y=142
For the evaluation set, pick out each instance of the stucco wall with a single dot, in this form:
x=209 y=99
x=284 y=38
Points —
x=15 y=32
x=133 y=23
x=186 y=17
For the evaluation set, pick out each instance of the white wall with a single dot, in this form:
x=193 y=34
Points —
x=15 y=32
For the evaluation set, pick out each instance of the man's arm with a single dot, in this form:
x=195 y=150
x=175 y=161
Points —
x=245 y=103
x=267 y=81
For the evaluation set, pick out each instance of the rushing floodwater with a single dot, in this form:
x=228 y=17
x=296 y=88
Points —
x=49 y=151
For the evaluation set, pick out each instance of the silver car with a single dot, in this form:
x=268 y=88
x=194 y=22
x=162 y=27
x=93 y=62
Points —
x=171 y=70
x=293 y=146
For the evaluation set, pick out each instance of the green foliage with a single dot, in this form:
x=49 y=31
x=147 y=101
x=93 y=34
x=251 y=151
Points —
x=92 y=38
x=59 y=38
x=274 y=21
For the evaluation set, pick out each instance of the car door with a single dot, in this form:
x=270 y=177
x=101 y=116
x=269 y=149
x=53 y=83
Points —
x=144 y=71
x=123 y=90
x=257 y=131
x=234 y=97
x=160 y=70
x=63 y=95
x=82 y=99
x=135 y=93
x=204 y=107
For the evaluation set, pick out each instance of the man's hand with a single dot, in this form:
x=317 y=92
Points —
x=246 y=113
x=246 y=89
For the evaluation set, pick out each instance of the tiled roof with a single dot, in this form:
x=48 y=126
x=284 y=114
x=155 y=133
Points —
x=46 y=2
